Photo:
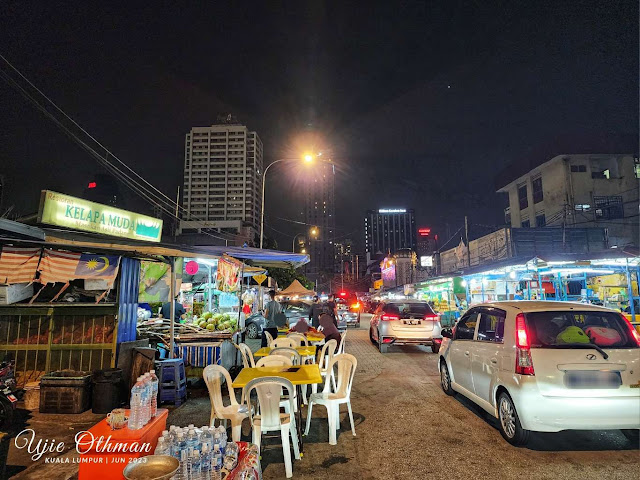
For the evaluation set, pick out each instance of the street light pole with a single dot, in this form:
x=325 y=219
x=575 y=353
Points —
x=293 y=249
x=264 y=178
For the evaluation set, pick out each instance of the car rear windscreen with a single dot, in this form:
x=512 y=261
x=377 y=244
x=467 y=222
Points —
x=409 y=309
x=604 y=329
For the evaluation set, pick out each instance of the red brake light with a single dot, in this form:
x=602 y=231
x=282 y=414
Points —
x=343 y=294
x=522 y=339
x=524 y=362
x=632 y=330
x=388 y=318
x=92 y=185
x=431 y=316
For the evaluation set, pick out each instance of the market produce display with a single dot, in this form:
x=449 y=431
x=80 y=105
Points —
x=220 y=322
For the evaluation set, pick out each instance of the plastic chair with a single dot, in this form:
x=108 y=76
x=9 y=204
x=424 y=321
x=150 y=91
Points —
x=287 y=352
x=346 y=367
x=326 y=354
x=247 y=355
x=274 y=361
x=283 y=342
x=269 y=337
x=299 y=338
x=270 y=419
x=213 y=376
x=343 y=336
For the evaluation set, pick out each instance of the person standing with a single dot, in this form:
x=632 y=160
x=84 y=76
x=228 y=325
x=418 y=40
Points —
x=332 y=309
x=272 y=309
x=329 y=329
x=315 y=311
x=180 y=311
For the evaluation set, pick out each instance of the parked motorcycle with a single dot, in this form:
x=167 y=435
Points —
x=8 y=399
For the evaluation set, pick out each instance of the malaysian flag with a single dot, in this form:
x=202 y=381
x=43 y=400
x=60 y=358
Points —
x=18 y=265
x=58 y=266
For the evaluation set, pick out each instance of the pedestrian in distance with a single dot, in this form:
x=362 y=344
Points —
x=315 y=311
x=331 y=308
x=271 y=310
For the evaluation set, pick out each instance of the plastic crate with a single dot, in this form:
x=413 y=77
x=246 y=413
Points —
x=66 y=391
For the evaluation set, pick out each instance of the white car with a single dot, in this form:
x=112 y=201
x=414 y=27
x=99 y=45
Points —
x=546 y=367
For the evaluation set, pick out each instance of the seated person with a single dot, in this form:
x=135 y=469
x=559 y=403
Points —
x=329 y=329
x=301 y=326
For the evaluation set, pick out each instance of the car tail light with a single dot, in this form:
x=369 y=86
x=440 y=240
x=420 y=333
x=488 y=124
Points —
x=524 y=362
x=387 y=340
x=432 y=317
x=389 y=318
x=632 y=330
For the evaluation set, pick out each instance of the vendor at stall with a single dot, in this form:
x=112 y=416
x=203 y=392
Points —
x=165 y=311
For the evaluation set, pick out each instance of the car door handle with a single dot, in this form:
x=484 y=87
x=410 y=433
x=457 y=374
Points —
x=466 y=353
x=494 y=361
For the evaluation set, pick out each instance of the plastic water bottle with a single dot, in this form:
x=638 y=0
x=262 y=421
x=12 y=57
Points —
x=180 y=446
x=149 y=387
x=216 y=460
x=182 y=473
x=192 y=441
x=231 y=456
x=161 y=447
x=154 y=393
x=194 y=466
x=206 y=438
x=135 y=415
x=205 y=461
x=223 y=438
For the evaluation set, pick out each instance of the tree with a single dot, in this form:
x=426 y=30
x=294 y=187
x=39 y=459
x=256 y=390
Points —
x=285 y=276
x=267 y=242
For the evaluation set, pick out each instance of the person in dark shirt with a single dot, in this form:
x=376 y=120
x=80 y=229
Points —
x=166 y=310
x=329 y=329
x=332 y=309
x=315 y=311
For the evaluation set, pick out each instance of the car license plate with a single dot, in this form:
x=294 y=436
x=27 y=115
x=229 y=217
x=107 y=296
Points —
x=412 y=321
x=592 y=379
x=12 y=398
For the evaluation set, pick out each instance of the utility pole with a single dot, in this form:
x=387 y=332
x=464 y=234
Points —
x=466 y=234
x=357 y=269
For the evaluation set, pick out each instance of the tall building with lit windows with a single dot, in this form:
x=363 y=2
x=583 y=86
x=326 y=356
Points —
x=222 y=179
x=388 y=230
x=320 y=212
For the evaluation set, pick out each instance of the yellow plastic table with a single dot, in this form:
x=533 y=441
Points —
x=299 y=375
x=303 y=351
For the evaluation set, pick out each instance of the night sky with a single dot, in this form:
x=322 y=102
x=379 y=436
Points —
x=419 y=104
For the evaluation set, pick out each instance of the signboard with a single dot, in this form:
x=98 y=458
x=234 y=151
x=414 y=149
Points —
x=191 y=267
x=71 y=212
x=377 y=284
x=228 y=276
x=392 y=210
x=426 y=261
x=260 y=278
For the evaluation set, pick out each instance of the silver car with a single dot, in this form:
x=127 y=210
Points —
x=401 y=322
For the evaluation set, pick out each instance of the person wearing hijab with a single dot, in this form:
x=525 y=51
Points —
x=301 y=326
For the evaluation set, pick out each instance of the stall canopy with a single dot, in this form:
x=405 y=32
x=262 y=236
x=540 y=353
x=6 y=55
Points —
x=296 y=288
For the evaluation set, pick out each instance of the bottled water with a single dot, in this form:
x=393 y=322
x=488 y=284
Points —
x=205 y=461
x=147 y=399
x=206 y=438
x=194 y=466
x=231 y=456
x=154 y=393
x=173 y=435
x=223 y=438
x=161 y=447
x=135 y=415
x=193 y=442
x=180 y=446
x=216 y=460
x=182 y=473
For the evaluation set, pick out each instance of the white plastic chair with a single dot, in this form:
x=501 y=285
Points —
x=326 y=354
x=247 y=355
x=287 y=352
x=274 y=361
x=270 y=419
x=343 y=336
x=269 y=337
x=213 y=376
x=283 y=342
x=299 y=338
x=346 y=367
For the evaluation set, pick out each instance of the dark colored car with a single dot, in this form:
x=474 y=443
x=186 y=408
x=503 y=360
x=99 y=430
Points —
x=293 y=310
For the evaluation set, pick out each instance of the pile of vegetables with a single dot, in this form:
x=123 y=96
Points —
x=216 y=322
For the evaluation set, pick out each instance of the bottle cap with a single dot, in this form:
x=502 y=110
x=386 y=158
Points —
x=152 y=371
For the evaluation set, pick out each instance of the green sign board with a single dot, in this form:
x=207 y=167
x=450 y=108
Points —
x=71 y=212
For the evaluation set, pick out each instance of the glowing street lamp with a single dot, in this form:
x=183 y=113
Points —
x=307 y=158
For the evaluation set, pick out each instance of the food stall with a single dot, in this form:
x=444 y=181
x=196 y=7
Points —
x=446 y=296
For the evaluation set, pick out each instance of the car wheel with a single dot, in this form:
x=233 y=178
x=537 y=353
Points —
x=252 y=331
x=371 y=336
x=633 y=435
x=435 y=347
x=445 y=379
x=509 y=423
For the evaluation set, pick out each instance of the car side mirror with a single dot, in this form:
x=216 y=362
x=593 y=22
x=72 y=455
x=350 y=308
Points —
x=446 y=332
